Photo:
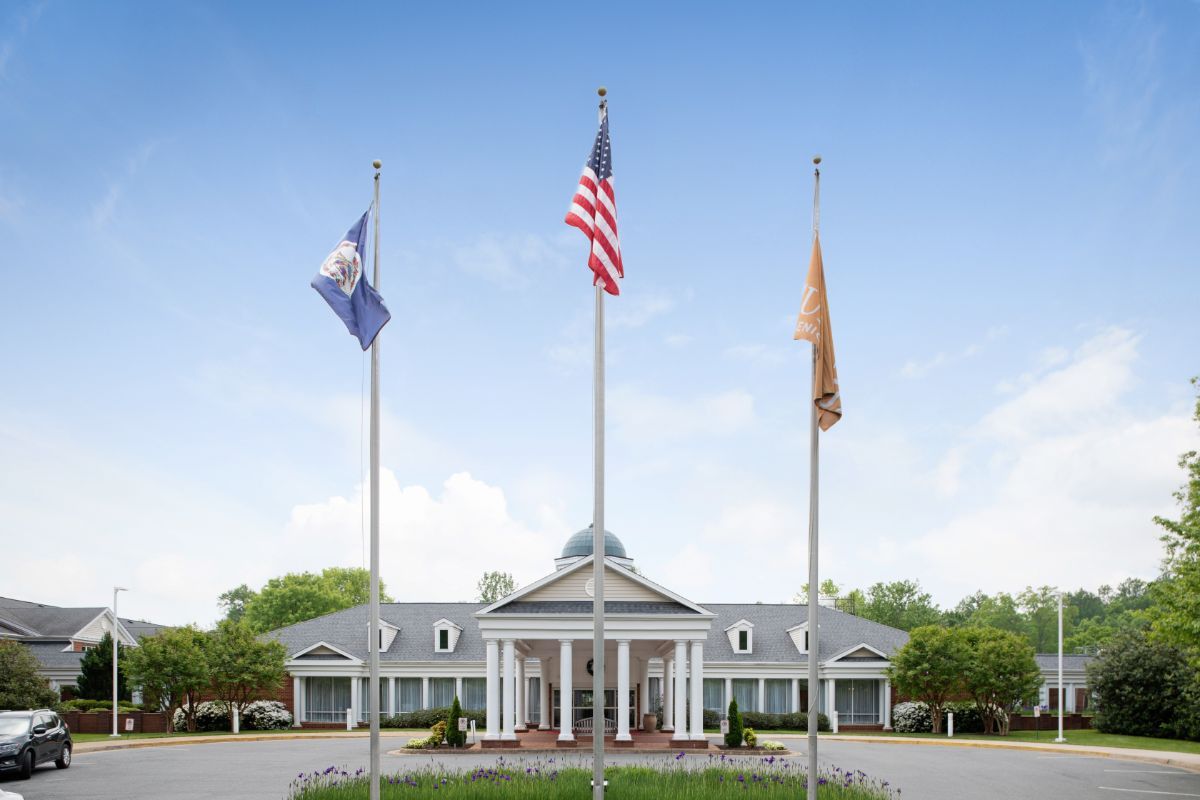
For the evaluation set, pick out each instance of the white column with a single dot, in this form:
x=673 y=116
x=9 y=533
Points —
x=887 y=705
x=762 y=695
x=522 y=713
x=297 y=701
x=668 y=694
x=728 y=696
x=623 y=691
x=796 y=696
x=681 y=671
x=425 y=692
x=355 y=694
x=830 y=698
x=566 y=692
x=646 y=707
x=493 y=689
x=544 y=694
x=392 y=702
x=458 y=689
x=697 y=723
x=508 y=707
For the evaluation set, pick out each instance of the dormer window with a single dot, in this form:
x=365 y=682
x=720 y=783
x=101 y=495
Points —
x=445 y=636
x=387 y=635
x=741 y=636
x=799 y=634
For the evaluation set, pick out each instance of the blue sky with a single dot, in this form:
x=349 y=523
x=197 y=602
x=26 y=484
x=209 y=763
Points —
x=1009 y=205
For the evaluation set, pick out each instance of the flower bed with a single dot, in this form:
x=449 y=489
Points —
x=683 y=777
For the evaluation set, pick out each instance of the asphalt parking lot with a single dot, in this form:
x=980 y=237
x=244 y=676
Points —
x=263 y=771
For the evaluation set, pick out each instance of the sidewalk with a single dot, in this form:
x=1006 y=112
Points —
x=171 y=741
x=1188 y=761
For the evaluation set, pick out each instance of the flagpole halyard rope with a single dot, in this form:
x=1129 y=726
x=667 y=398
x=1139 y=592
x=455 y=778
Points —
x=813 y=648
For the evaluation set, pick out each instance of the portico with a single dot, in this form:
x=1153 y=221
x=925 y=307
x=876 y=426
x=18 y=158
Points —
x=547 y=628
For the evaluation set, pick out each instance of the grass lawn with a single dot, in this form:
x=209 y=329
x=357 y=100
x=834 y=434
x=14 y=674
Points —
x=1084 y=737
x=104 y=737
x=535 y=779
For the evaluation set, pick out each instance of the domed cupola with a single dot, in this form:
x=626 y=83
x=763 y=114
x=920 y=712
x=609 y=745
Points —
x=580 y=545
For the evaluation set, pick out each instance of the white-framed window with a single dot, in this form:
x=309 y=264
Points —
x=741 y=636
x=445 y=636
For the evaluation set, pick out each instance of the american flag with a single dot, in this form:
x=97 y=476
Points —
x=594 y=211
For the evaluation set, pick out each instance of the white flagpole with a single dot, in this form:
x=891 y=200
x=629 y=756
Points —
x=814 y=693
x=373 y=694
x=598 y=551
x=1062 y=702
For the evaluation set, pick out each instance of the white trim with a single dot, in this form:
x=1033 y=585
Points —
x=444 y=621
x=860 y=646
x=580 y=564
x=129 y=640
x=741 y=622
x=338 y=650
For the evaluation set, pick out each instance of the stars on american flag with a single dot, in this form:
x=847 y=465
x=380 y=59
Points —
x=594 y=211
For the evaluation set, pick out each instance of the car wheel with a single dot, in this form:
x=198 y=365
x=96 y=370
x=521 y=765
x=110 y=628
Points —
x=64 y=758
x=26 y=766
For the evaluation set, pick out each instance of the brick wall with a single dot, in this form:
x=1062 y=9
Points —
x=101 y=721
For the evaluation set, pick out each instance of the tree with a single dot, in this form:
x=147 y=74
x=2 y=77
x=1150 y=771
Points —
x=297 y=597
x=827 y=589
x=494 y=585
x=172 y=669
x=1040 y=607
x=1142 y=686
x=930 y=668
x=455 y=737
x=20 y=684
x=235 y=600
x=242 y=668
x=734 y=737
x=1176 y=614
x=1000 y=672
x=900 y=604
x=95 y=672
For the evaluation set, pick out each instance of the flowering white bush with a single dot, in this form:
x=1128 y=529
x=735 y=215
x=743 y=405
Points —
x=772 y=745
x=212 y=715
x=912 y=718
x=266 y=715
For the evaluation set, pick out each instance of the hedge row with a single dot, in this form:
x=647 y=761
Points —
x=428 y=717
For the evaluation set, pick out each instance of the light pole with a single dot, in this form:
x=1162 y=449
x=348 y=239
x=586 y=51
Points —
x=1062 y=705
x=115 y=648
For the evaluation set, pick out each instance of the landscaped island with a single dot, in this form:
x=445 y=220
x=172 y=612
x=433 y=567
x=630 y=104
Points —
x=692 y=777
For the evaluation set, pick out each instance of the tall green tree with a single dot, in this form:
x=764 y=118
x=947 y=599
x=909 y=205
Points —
x=901 y=604
x=172 y=669
x=1176 y=614
x=21 y=686
x=930 y=668
x=95 y=672
x=1000 y=671
x=1142 y=686
x=1040 y=607
x=494 y=585
x=241 y=667
x=297 y=597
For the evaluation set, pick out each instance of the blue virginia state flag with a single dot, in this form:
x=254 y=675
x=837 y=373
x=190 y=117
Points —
x=344 y=286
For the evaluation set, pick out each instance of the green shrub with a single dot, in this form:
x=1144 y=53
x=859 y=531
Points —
x=750 y=737
x=1142 y=687
x=428 y=717
x=734 y=737
x=777 y=722
x=770 y=745
x=967 y=718
x=437 y=734
x=455 y=737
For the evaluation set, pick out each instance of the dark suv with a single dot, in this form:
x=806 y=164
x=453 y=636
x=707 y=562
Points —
x=29 y=738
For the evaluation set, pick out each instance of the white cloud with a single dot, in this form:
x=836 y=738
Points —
x=508 y=260
x=755 y=354
x=637 y=311
x=1058 y=484
x=432 y=547
x=650 y=418
x=919 y=369
x=105 y=209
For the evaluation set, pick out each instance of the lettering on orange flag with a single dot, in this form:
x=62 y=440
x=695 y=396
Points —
x=813 y=326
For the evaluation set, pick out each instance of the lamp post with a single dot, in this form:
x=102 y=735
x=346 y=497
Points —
x=115 y=649
x=1061 y=701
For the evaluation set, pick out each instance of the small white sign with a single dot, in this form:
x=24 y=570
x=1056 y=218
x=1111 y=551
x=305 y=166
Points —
x=129 y=724
x=462 y=724
x=724 y=726
x=1037 y=711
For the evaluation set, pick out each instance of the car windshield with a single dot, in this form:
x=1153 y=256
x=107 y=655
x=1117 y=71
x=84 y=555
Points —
x=13 y=725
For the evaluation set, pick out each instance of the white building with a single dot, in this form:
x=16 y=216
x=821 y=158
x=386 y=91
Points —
x=521 y=657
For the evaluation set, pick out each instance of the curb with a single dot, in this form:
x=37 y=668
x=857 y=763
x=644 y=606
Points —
x=1188 y=761
x=100 y=747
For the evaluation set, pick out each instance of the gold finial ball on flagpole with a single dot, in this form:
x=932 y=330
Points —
x=377 y=163
x=602 y=91
x=816 y=159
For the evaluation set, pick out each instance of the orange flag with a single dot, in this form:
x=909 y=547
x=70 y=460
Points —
x=813 y=326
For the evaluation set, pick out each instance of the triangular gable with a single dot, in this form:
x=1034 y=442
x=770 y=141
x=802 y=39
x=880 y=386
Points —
x=94 y=631
x=571 y=583
x=862 y=650
x=324 y=651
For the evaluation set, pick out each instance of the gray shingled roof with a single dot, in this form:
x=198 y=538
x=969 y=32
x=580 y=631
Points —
x=51 y=656
x=838 y=632
x=347 y=630
x=1048 y=662
x=50 y=620
x=585 y=607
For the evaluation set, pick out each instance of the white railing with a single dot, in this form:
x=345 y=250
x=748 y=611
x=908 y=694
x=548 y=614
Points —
x=585 y=726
